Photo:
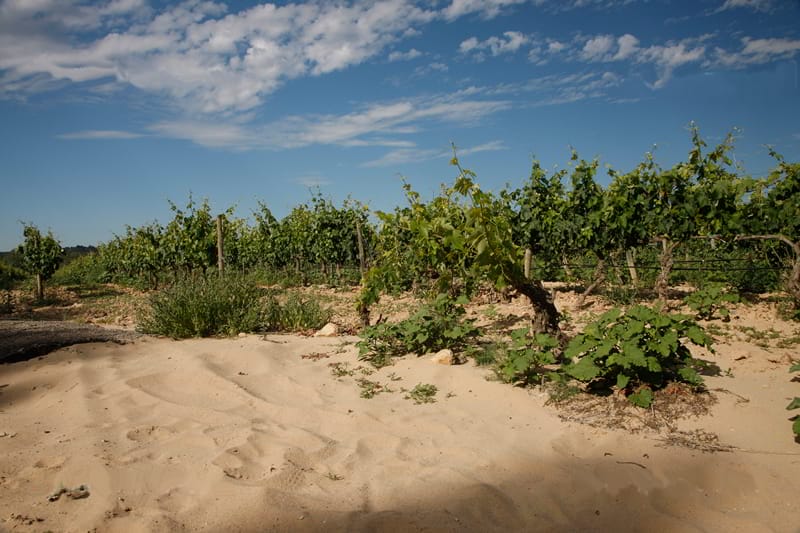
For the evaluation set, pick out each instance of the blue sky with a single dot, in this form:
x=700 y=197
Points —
x=109 y=108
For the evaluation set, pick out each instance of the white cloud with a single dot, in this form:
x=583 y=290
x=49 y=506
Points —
x=397 y=157
x=597 y=48
x=609 y=48
x=757 y=5
x=485 y=8
x=395 y=118
x=627 y=46
x=669 y=57
x=372 y=125
x=211 y=134
x=203 y=61
x=758 y=51
x=490 y=146
x=553 y=89
x=99 y=134
x=666 y=58
x=313 y=181
x=468 y=45
x=434 y=67
x=404 y=56
x=509 y=42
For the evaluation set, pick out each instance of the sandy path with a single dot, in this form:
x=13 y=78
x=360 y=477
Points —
x=246 y=435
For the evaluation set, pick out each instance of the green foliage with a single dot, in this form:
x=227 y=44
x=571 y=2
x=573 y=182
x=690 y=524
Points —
x=434 y=326
x=10 y=275
x=294 y=314
x=83 y=270
x=540 y=221
x=711 y=300
x=370 y=389
x=637 y=349
x=203 y=306
x=41 y=255
x=423 y=393
x=522 y=360
x=795 y=404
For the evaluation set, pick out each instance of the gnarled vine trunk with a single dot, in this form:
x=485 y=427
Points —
x=666 y=261
x=598 y=278
x=545 y=315
x=630 y=259
x=39 y=288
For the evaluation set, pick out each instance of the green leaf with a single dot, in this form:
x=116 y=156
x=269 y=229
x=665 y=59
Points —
x=603 y=349
x=795 y=368
x=577 y=346
x=698 y=336
x=795 y=404
x=584 y=370
x=642 y=398
x=622 y=381
x=634 y=328
x=690 y=375
x=633 y=355
x=796 y=426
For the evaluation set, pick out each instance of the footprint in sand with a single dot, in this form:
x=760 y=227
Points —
x=149 y=434
x=252 y=464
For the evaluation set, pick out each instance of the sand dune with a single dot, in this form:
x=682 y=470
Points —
x=247 y=435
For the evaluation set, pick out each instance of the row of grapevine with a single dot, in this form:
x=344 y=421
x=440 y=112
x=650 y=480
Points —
x=316 y=236
x=699 y=209
x=467 y=235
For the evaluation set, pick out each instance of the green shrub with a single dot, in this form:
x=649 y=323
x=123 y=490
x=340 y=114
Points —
x=83 y=270
x=10 y=275
x=711 y=300
x=436 y=325
x=522 y=361
x=795 y=404
x=209 y=305
x=637 y=352
x=203 y=306
x=295 y=314
x=422 y=393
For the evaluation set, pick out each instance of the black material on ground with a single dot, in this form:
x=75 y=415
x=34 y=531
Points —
x=24 y=339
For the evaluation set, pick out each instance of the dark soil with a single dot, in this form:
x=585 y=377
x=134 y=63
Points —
x=24 y=339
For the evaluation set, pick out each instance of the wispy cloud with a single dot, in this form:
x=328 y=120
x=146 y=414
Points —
x=405 y=155
x=485 y=8
x=312 y=181
x=757 y=51
x=491 y=146
x=756 y=5
x=419 y=155
x=377 y=124
x=99 y=134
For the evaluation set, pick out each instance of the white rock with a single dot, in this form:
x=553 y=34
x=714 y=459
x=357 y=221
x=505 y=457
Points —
x=328 y=330
x=444 y=357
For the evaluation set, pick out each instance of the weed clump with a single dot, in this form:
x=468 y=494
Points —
x=436 y=325
x=206 y=306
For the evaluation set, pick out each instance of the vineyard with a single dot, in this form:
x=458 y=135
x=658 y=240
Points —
x=699 y=223
x=631 y=348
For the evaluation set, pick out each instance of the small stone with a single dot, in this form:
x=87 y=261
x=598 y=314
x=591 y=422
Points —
x=444 y=357
x=328 y=330
x=242 y=335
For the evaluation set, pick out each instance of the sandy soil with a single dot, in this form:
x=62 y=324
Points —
x=247 y=434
